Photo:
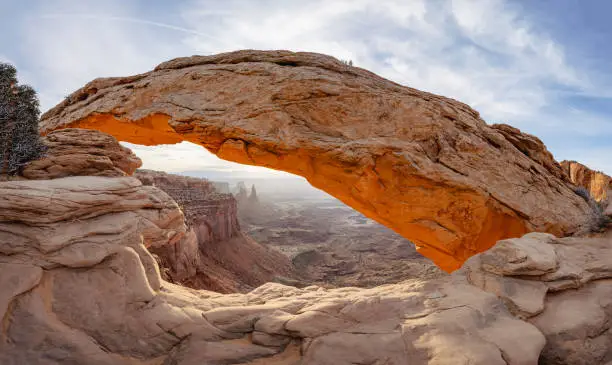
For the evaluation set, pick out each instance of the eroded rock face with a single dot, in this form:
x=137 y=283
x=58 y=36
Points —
x=79 y=287
x=562 y=286
x=424 y=165
x=82 y=152
x=214 y=254
x=213 y=213
x=597 y=183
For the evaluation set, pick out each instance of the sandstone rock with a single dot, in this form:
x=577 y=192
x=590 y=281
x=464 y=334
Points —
x=100 y=300
x=426 y=166
x=15 y=280
x=596 y=182
x=82 y=152
x=212 y=215
x=265 y=339
x=524 y=256
x=214 y=254
x=577 y=327
x=568 y=301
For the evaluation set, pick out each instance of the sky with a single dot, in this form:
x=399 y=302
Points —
x=542 y=66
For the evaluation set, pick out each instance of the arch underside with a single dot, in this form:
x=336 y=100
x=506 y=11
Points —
x=423 y=165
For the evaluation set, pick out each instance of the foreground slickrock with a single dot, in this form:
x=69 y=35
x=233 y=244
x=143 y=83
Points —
x=78 y=286
x=426 y=166
x=562 y=286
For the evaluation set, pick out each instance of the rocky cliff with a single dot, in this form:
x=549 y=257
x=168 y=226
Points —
x=213 y=215
x=424 y=165
x=78 y=286
x=214 y=254
x=597 y=183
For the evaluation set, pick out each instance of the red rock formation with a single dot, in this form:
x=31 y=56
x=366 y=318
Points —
x=424 y=165
x=214 y=254
x=597 y=183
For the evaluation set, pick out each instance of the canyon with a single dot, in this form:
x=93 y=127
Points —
x=328 y=243
x=530 y=252
x=426 y=166
x=215 y=254
x=598 y=184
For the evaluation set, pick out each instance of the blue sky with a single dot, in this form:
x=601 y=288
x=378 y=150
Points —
x=542 y=66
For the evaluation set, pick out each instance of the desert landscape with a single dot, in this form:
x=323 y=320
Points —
x=328 y=242
x=103 y=263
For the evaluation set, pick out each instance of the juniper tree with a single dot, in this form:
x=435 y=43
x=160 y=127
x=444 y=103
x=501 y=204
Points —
x=19 y=113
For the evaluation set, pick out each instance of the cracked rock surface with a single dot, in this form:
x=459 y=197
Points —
x=79 y=287
x=424 y=165
x=81 y=152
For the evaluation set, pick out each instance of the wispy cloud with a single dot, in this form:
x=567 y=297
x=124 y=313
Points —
x=96 y=17
x=478 y=51
x=482 y=52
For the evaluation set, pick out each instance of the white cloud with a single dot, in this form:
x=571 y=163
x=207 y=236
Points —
x=187 y=156
x=76 y=42
x=482 y=52
x=477 y=51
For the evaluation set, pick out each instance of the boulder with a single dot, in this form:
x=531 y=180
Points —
x=81 y=152
x=424 y=165
x=562 y=286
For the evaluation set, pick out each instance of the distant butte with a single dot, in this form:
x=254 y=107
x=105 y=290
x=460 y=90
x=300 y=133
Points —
x=424 y=165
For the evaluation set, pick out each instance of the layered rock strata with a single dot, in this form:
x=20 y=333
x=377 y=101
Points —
x=79 y=286
x=214 y=254
x=598 y=184
x=426 y=166
x=82 y=152
x=562 y=286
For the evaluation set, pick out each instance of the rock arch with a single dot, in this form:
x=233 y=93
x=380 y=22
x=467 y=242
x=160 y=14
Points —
x=424 y=165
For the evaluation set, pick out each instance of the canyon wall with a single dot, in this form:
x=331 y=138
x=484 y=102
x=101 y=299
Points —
x=598 y=184
x=424 y=165
x=214 y=253
x=212 y=215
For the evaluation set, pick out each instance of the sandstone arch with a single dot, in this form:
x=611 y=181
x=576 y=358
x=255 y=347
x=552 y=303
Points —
x=426 y=166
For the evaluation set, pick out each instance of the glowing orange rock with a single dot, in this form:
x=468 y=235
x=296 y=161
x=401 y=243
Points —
x=597 y=183
x=424 y=165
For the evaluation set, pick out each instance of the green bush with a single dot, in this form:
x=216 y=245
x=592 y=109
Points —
x=20 y=141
